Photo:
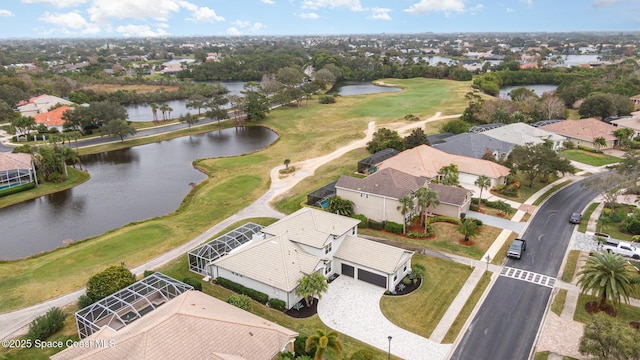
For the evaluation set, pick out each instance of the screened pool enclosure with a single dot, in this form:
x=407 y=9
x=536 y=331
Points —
x=201 y=257
x=129 y=304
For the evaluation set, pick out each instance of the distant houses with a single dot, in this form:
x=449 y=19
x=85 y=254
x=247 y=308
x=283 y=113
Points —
x=40 y=104
x=583 y=132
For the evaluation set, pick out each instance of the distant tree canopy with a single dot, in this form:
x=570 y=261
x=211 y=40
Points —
x=604 y=105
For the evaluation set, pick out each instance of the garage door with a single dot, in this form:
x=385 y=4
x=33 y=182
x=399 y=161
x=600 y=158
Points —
x=372 y=278
x=347 y=270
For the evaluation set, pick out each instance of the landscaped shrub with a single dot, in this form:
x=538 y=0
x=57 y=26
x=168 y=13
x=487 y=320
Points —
x=635 y=238
x=510 y=190
x=363 y=220
x=393 y=227
x=447 y=219
x=84 y=301
x=419 y=235
x=327 y=99
x=498 y=188
x=197 y=285
x=17 y=189
x=241 y=301
x=46 y=325
x=406 y=280
x=376 y=225
x=254 y=294
x=474 y=207
x=299 y=346
x=477 y=221
x=109 y=281
x=277 y=304
x=148 y=272
x=364 y=354
x=634 y=227
x=569 y=145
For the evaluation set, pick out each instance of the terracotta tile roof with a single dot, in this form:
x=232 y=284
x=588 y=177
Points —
x=372 y=254
x=583 y=129
x=53 y=117
x=426 y=161
x=194 y=325
x=275 y=261
x=311 y=227
x=388 y=182
x=10 y=161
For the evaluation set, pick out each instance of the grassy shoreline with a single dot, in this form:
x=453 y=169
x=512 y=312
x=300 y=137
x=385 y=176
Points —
x=233 y=183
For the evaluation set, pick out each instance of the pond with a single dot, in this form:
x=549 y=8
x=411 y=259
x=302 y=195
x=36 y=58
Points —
x=126 y=185
x=347 y=88
x=538 y=89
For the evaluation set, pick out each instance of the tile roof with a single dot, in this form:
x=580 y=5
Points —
x=275 y=261
x=473 y=145
x=53 y=117
x=388 y=182
x=426 y=161
x=372 y=254
x=583 y=129
x=631 y=122
x=311 y=227
x=450 y=194
x=522 y=134
x=10 y=161
x=194 y=325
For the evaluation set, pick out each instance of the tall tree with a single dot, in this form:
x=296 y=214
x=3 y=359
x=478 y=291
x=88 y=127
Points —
x=624 y=135
x=427 y=197
x=599 y=142
x=23 y=124
x=607 y=276
x=406 y=207
x=449 y=175
x=537 y=160
x=256 y=103
x=163 y=109
x=416 y=138
x=196 y=101
x=605 y=337
x=312 y=285
x=483 y=182
x=188 y=119
x=384 y=138
x=118 y=128
x=323 y=341
x=154 y=111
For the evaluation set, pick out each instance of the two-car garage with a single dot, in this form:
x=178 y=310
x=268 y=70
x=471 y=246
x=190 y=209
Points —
x=364 y=275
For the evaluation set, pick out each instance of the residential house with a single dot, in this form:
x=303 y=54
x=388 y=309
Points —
x=630 y=122
x=523 y=134
x=304 y=242
x=192 y=325
x=377 y=196
x=370 y=163
x=636 y=102
x=16 y=169
x=583 y=132
x=475 y=145
x=427 y=161
x=40 y=104
x=52 y=119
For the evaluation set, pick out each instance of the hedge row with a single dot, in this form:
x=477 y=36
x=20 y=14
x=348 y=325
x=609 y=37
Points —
x=254 y=294
x=447 y=219
x=393 y=227
x=277 y=304
x=17 y=189
x=364 y=222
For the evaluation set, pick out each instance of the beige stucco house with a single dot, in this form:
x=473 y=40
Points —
x=583 y=132
x=307 y=241
x=377 y=196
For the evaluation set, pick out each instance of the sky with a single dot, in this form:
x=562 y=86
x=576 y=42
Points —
x=144 y=18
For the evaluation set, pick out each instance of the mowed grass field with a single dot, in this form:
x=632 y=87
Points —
x=233 y=183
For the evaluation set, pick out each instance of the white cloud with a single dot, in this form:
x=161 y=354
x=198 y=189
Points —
x=509 y=10
x=241 y=24
x=204 y=14
x=57 y=3
x=139 y=31
x=103 y=10
x=233 y=31
x=380 y=14
x=268 y=2
x=187 y=5
x=4 y=12
x=332 y=4
x=67 y=22
x=310 y=15
x=257 y=26
x=446 y=6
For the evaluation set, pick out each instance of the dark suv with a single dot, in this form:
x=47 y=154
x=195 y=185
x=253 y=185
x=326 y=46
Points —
x=575 y=218
x=517 y=248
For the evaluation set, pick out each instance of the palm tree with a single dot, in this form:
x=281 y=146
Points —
x=169 y=110
x=323 y=341
x=286 y=163
x=483 y=182
x=599 y=142
x=163 y=109
x=427 y=197
x=609 y=277
x=154 y=111
x=311 y=285
x=405 y=207
x=469 y=228
x=340 y=206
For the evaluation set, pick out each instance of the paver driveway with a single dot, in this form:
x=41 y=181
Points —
x=353 y=308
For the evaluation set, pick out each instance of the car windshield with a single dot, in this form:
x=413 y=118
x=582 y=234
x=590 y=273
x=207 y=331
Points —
x=515 y=247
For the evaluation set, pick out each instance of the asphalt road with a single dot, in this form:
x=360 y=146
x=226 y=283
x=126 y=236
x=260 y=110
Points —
x=507 y=323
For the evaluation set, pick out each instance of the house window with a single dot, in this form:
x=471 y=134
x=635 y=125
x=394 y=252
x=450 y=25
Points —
x=353 y=231
x=395 y=277
x=327 y=269
x=327 y=249
x=405 y=268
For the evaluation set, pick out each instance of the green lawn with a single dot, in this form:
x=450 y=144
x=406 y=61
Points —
x=570 y=266
x=548 y=193
x=626 y=313
x=525 y=191
x=589 y=158
x=582 y=227
x=558 y=302
x=440 y=286
x=464 y=314
x=233 y=183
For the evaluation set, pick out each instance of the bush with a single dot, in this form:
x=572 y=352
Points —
x=277 y=304
x=419 y=235
x=254 y=294
x=300 y=344
x=241 y=301
x=147 y=273
x=363 y=220
x=498 y=188
x=406 y=280
x=477 y=221
x=393 y=227
x=375 y=225
x=364 y=354
x=474 y=207
x=635 y=238
x=17 y=189
x=634 y=227
x=197 y=285
x=327 y=99
x=109 y=281
x=510 y=190
x=447 y=219
x=569 y=145
x=84 y=301
x=46 y=325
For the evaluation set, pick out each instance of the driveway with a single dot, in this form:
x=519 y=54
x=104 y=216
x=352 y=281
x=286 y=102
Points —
x=352 y=307
x=498 y=222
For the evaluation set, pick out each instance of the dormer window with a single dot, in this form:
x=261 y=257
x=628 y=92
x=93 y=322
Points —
x=327 y=249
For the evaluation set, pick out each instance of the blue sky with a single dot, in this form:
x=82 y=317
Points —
x=141 y=18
